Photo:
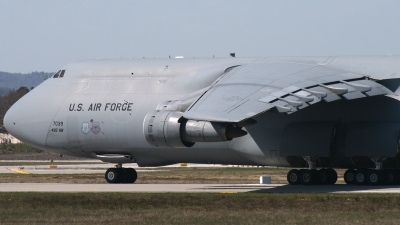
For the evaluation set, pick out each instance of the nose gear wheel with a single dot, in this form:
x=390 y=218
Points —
x=121 y=175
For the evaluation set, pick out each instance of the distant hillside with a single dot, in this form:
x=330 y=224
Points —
x=13 y=81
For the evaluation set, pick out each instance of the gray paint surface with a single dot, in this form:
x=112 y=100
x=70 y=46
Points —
x=98 y=107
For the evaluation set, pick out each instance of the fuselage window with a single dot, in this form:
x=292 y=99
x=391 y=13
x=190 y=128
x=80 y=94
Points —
x=62 y=73
x=57 y=74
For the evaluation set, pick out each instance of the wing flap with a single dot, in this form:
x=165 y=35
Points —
x=255 y=88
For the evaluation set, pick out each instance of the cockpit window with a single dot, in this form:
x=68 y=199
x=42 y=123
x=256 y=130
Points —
x=57 y=74
x=62 y=73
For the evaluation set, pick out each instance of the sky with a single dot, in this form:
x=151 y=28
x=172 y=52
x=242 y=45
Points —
x=45 y=35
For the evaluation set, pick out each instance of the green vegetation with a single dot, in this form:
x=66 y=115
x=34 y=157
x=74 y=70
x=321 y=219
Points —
x=15 y=85
x=212 y=175
x=7 y=101
x=53 y=178
x=12 y=163
x=20 y=148
x=166 y=175
x=198 y=208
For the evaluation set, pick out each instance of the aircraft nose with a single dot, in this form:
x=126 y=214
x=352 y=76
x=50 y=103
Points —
x=8 y=121
x=25 y=122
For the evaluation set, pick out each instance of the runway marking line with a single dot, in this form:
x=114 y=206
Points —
x=19 y=171
x=228 y=192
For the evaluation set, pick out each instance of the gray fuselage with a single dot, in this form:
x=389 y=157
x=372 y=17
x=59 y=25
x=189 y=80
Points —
x=98 y=108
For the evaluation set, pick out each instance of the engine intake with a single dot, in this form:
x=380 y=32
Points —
x=169 y=129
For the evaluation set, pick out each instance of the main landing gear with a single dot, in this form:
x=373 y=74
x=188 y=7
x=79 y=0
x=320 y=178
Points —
x=372 y=176
x=377 y=176
x=121 y=175
x=311 y=176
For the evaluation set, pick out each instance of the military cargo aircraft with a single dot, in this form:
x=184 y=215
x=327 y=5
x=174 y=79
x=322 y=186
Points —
x=299 y=112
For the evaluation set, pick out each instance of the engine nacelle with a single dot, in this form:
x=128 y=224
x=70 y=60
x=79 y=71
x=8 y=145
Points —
x=176 y=105
x=169 y=129
x=162 y=129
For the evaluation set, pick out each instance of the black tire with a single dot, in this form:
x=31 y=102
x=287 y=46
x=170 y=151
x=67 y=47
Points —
x=293 y=177
x=324 y=177
x=375 y=177
x=332 y=176
x=396 y=176
x=386 y=177
x=390 y=177
x=360 y=177
x=308 y=177
x=113 y=175
x=396 y=173
x=349 y=176
x=131 y=175
x=123 y=175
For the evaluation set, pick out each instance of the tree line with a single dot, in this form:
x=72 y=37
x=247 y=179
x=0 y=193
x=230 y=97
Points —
x=7 y=101
x=13 y=81
x=15 y=85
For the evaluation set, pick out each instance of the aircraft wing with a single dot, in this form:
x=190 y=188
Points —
x=284 y=87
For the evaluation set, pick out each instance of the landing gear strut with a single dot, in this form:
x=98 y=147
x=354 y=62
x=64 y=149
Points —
x=120 y=175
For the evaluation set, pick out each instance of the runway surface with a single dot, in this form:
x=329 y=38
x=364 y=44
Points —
x=86 y=168
x=216 y=188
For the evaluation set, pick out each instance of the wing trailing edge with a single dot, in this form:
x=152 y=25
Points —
x=249 y=90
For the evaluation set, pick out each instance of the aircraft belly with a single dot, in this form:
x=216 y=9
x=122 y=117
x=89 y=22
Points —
x=204 y=153
x=246 y=147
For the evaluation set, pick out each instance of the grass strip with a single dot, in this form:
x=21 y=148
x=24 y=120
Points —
x=198 y=208
x=45 y=163
x=168 y=175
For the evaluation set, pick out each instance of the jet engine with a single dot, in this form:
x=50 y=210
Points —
x=166 y=128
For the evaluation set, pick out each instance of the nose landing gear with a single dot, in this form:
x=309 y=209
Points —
x=121 y=175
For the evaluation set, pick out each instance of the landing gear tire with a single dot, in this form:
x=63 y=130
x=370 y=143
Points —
x=113 y=175
x=308 y=177
x=121 y=175
x=332 y=176
x=130 y=175
x=375 y=177
x=293 y=177
x=396 y=172
x=350 y=176
x=327 y=176
x=360 y=177
x=312 y=177
x=387 y=177
x=392 y=177
x=324 y=177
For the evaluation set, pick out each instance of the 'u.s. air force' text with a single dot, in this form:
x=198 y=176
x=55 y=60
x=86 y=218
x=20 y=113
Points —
x=101 y=107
